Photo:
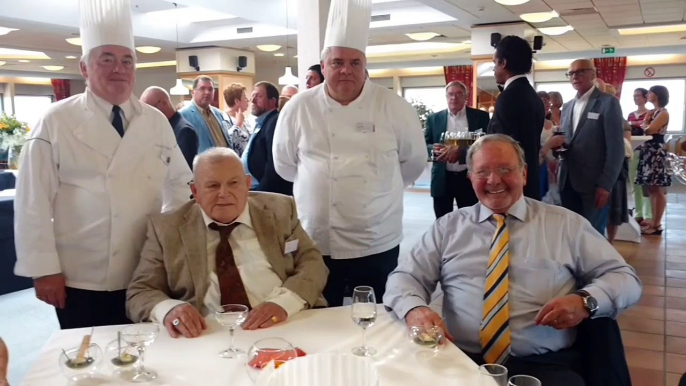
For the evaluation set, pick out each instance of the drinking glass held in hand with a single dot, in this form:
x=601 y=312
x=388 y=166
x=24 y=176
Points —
x=231 y=316
x=140 y=336
x=492 y=375
x=364 y=315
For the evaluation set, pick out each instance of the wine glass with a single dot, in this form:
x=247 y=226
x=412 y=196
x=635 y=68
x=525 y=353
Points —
x=524 y=380
x=75 y=368
x=364 y=315
x=120 y=355
x=140 y=336
x=269 y=353
x=427 y=336
x=492 y=374
x=231 y=316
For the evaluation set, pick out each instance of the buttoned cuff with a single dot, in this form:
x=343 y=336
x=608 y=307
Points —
x=408 y=304
x=291 y=302
x=605 y=308
x=160 y=311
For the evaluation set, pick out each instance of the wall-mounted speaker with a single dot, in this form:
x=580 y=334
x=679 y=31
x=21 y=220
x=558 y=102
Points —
x=193 y=62
x=495 y=39
x=538 y=43
x=242 y=63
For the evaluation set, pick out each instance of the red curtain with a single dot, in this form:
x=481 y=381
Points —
x=612 y=71
x=461 y=74
x=61 y=88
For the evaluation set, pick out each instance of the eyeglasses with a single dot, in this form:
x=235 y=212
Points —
x=571 y=74
x=501 y=172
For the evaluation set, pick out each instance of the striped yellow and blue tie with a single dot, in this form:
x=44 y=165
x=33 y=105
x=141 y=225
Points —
x=495 y=325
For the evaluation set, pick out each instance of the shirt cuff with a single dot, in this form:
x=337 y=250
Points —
x=605 y=308
x=291 y=302
x=161 y=309
x=408 y=304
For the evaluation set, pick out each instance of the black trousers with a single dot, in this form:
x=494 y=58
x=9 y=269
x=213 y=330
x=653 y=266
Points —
x=346 y=274
x=458 y=188
x=552 y=369
x=85 y=308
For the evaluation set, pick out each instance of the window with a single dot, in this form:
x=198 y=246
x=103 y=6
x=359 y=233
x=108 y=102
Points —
x=29 y=108
x=677 y=92
x=432 y=97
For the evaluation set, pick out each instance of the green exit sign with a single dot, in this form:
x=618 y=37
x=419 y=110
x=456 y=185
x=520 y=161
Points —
x=608 y=50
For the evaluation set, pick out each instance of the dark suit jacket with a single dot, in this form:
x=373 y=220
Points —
x=603 y=363
x=436 y=125
x=186 y=137
x=595 y=152
x=260 y=161
x=519 y=113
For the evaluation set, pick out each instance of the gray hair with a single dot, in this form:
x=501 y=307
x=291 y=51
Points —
x=86 y=57
x=325 y=53
x=290 y=86
x=214 y=155
x=457 y=83
x=495 y=138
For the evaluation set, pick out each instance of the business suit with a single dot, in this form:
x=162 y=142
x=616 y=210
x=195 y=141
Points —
x=448 y=186
x=193 y=115
x=594 y=157
x=186 y=137
x=519 y=113
x=260 y=159
x=173 y=262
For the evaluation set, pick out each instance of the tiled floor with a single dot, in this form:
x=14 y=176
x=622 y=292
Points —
x=654 y=332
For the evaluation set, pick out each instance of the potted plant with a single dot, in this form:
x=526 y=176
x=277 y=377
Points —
x=423 y=111
x=13 y=135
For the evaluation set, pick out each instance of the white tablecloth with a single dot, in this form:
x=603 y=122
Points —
x=185 y=362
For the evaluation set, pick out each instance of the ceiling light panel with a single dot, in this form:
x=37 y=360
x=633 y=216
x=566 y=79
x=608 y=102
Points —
x=5 y=30
x=656 y=29
x=511 y=2
x=422 y=36
x=538 y=17
x=148 y=49
x=166 y=63
x=556 y=31
x=53 y=68
x=74 y=41
x=268 y=47
x=11 y=53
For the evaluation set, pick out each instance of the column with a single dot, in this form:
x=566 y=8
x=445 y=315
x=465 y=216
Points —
x=8 y=98
x=312 y=18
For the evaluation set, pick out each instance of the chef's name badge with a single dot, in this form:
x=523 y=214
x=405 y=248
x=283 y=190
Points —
x=365 y=127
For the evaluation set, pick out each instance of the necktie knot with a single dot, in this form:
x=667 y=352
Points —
x=499 y=218
x=116 y=109
x=224 y=230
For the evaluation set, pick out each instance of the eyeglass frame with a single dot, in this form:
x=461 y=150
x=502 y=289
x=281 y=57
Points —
x=571 y=74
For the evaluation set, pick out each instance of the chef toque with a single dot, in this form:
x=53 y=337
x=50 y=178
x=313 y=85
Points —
x=348 y=24
x=105 y=22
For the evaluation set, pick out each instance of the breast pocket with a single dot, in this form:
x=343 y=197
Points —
x=384 y=152
x=533 y=280
x=157 y=164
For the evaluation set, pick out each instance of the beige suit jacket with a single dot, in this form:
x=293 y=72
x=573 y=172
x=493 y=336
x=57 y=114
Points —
x=173 y=262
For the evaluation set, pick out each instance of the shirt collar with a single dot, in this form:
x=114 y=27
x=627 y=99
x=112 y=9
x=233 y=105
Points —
x=518 y=211
x=509 y=81
x=586 y=96
x=460 y=113
x=127 y=107
x=206 y=111
x=243 y=218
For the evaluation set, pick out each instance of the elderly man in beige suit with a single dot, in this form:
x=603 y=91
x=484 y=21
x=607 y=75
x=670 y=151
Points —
x=228 y=246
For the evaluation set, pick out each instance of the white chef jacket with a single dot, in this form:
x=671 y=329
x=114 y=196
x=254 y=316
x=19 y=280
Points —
x=84 y=193
x=349 y=166
x=261 y=283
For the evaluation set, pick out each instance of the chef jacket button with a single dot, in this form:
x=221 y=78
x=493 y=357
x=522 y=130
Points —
x=335 y=157
x=365 y=181
x=115 y=253
x=334 y=205
x=333 y=134
x=367 y=156
x=335 y=179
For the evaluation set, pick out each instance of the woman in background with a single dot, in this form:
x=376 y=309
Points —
x=556 y=103
x=652 y=171
x=236 y=98
x=644 y=212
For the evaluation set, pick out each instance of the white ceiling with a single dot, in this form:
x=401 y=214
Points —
x=43 y=26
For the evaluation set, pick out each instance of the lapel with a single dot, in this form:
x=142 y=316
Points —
x=567 y=121
x=471 y=119
x=194 y=239
x=136 y=143
x=264 y=224
x=584 y=114
x=222 y=123
x=442 y=118
x=95 y=131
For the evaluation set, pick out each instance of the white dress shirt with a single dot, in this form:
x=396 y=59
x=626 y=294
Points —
x=509 y=81
x=261 y=283
x=106 y=107
x=457 y=123
x=579 y=106
x=349 y=166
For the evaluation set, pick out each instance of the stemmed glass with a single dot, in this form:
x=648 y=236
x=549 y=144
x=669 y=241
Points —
x=231 y=316
x=364 y=315
x=140 y=336
x=492 y=375
x=524 y=380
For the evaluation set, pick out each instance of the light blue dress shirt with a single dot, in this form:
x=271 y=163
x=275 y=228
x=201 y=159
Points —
x=551 y=249
x=244 y=157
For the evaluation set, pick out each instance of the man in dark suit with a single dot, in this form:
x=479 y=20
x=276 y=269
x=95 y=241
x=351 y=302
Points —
x=449 y=181
x=208 y=121
x=594 y=138
x=186 y=136
x=257 y=157
x=519 y=111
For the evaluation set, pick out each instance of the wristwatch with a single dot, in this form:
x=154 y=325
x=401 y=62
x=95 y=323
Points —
x=590 y=303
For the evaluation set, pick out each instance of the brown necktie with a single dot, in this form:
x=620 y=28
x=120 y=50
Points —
x=230 y=283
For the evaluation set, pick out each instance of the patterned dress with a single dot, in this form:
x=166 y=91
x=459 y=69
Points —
x=652 y=169
x=239 y=136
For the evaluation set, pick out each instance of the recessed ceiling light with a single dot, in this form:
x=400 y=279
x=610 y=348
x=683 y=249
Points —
x=5 y=30
x=538 y=17
x=295 y=56
x=511 y=2
x=655 y=29
x=554 y=31
x=2 y=63
x=53 y=68
x=279 y=54
x=148 y=49
x=422 y=36
x=70 y=57
x=268 y=47
x=74 y=41
x=467 y=42
x=23 y=61
x=166 y=63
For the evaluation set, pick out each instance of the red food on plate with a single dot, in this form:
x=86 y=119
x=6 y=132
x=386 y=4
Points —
x=264 y=357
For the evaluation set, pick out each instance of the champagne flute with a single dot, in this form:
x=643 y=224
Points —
x=492 y=375
x=140 y=336
x=364 y=315
x=231 y=316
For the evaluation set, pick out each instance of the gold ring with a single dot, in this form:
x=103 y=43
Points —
x=275 y=319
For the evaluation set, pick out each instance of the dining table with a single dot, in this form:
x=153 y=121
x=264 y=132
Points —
x=196 y=361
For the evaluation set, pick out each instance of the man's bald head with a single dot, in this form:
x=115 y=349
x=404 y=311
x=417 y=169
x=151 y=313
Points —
x=159 y=98
x=581 y=75
x=289 y=91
